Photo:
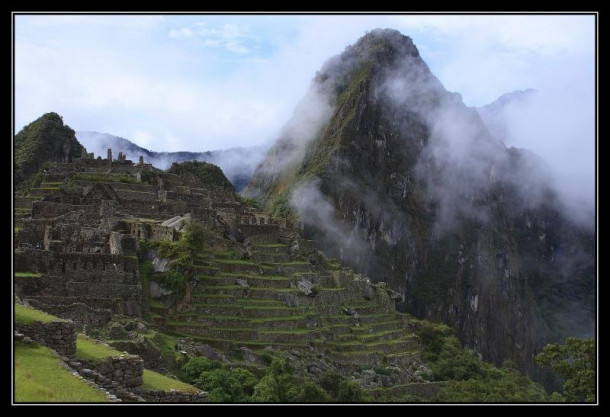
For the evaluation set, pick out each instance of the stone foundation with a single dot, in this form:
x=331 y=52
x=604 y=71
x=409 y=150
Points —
x=126 y=370
x=173 y=396
x=57 y=335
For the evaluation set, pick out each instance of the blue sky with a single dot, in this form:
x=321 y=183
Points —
x=202 y=82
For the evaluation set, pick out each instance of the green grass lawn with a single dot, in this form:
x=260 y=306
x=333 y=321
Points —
x=27 y=315
x=156 y=381
x=92 y=350
x=39 y=378
x=28 y=274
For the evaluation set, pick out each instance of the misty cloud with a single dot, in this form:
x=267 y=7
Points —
x=238 y=164
x=317 y=212
x=462 y=163
x=559 y=126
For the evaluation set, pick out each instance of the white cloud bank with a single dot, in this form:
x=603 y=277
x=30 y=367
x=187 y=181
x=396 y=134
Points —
x=212 y=82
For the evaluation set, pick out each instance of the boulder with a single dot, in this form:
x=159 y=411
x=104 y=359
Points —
x=306 y=287
x=207 y=351
x=160 y=264
x=250 y=356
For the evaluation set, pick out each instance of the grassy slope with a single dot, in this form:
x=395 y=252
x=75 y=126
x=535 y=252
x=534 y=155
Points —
x=90 y=349
x=27 y=315
x=36 y=366
x=156 y=381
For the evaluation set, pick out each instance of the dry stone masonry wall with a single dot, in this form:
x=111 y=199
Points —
x=58 y=335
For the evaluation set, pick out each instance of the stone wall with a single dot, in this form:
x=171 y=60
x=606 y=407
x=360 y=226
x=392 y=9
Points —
x=126 y=370
x=81 y=277
x=173 y=396
x=80 y=313
x=49 y=210
x=58 y=335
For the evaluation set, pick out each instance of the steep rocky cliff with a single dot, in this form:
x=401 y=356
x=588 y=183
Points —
x=392 y=174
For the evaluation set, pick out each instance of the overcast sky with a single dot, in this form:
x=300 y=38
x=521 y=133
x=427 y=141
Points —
x=203 y=82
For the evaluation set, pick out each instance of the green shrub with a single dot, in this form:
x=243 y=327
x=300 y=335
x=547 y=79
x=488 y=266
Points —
x=175 y=281
x=313 y=393
x=278 y=385
x=221 y=385
x=330 y=382
x=351 y=392
x=246 y=378
x=194 y=367
x=575 y=361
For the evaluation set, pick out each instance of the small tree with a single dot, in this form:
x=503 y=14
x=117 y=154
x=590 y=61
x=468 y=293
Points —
x=575 y=362
x=351 y=392
x=193 y=368
x=313 y=393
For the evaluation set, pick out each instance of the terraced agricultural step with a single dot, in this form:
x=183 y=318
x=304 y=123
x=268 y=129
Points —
x=384 y=335
x=227 y=344
x=259 y=281
x=324 y=295
x=403 y=359
x=200 y=323
x=238 y=266
x=250 y=311
x=43 y=191
x=206 y=270
x=239 y=335
x=271 y=258
x=289 y=267
x=384 y=346
x=25 y=202
x=230 y=299
x=347 y=319
x=387 y=325
x=271 y=249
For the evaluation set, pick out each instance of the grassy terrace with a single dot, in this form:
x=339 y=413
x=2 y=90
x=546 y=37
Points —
x=156 y=381
x=36 y=367
x=254 y=307
x=257 y=320
x=237 y=276
x=28 y=274
x=252 y=343
x=27 y=315
x=45 y=189
x=234 y=262
x=92 y=350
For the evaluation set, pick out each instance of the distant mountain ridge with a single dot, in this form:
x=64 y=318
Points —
x=238 y=164
x=495 y=114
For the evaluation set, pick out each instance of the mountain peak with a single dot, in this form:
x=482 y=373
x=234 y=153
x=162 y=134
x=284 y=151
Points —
x=46 y=139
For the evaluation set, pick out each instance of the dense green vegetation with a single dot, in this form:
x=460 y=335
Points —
x=36 y=367
x=277 y=385
x=181 y=254
x=208 y=174
x=575 y=362
x=250 y=201
x=467 y=378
